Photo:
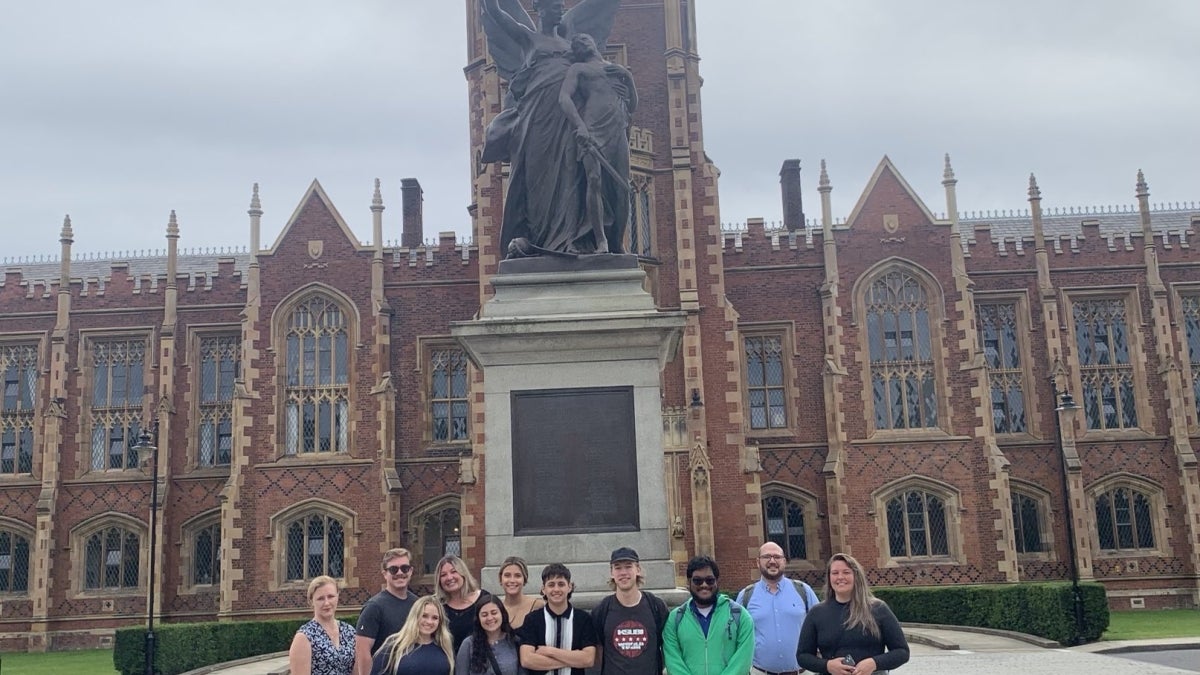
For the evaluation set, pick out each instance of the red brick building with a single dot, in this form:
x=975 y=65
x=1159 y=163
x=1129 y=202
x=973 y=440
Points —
x=879 y=384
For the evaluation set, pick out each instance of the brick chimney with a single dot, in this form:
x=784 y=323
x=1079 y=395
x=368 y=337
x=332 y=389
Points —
x=412 y=199
x=793 y=201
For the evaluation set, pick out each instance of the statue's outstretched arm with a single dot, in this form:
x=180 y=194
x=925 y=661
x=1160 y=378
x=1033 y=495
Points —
x=509 y=29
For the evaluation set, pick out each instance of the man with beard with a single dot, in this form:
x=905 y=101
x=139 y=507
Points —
x=778 y=606
x=709 y=634
x=630 y=621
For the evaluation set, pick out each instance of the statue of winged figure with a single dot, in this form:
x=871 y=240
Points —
x=548 y=207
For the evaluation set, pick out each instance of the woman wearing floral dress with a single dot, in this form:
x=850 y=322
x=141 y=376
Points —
x=324 y=645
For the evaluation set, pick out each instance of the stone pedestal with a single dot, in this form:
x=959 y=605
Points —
x=572 y=352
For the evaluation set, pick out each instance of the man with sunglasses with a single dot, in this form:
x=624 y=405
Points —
x=384 y=614
x=709 y=634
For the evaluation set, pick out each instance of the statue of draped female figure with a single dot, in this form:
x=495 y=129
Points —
x=564 y=129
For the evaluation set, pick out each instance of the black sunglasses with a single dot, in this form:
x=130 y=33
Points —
x=704 y=581
x=398 y=569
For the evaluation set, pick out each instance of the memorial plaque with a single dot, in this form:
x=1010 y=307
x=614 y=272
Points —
x=574 y=461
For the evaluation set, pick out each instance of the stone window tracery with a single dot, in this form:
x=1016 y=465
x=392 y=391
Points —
x=900 y=347
x=1125 y=519
x=1000 y=340
x=118 y=386
x=18 y=366
x=14 y=561
x=112 y=559
x=1191 y=320
x=438 y=529
x=917 y=525
x=317 y=376
x=448 y=395
x=1027 y=523
x=315 y=545
x=219 y=362
x=765 y=381
x=1102 y=343
x=206 y=554
x=790 y=520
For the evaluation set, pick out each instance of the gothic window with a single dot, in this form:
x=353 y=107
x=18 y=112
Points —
x=317 y=371
x=1102 y=342
x=1191 y=320
x=116 y=407
x=206 y=555
x=900 y=344
x=448 y=395
x=1124 y=520
x=112 y=559
x=640 y=219
x=316 y=545
x=18 y=363
x=1000 y=338
x=765 y=379
x=916 y=525
x=219 y=360
x=784 y=524
x=439 y=530
x=14 y=562
x=1027 y=523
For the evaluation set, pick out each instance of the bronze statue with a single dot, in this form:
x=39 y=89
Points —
x=568 y=187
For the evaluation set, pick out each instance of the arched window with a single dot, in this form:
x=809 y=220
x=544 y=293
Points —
x=1000 y=338
x=448 y=395
x=118 y=392
x=206 y=555
x=1027 y=523
x=14 y=562
x=112 y=559
x=916 y=525
x=784 y=524
x=18 y=367
x=317 y=376
x=1125 y=519
x=903 y=382
x=316 y=545
x=219 y=362
x=1103 y=341
x=439 y=531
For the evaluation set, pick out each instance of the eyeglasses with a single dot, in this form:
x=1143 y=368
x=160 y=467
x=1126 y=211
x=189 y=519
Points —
x=770 y=556
x=704 y=581
x=398 y=569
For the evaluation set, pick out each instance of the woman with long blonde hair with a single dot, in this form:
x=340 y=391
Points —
x=457 y=590
x=851 y=632
x=420 y=647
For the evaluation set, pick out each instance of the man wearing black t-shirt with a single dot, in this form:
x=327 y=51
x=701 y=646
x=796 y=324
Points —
x=557 y=639
x=629 y=622
x=384 y=614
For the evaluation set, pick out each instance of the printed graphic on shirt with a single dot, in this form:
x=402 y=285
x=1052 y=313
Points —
x=630 y=638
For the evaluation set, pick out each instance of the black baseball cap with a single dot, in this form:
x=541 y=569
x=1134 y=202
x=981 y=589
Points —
x=624 y=553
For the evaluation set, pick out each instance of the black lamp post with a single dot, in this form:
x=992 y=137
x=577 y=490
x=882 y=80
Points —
x=1066 y=403
x=145 y=443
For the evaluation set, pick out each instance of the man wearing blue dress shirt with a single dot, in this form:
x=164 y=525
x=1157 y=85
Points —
x=778 y=606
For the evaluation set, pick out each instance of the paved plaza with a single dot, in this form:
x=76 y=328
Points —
x=980 y=654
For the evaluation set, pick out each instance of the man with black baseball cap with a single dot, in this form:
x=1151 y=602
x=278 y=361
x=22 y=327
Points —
x=630 y=621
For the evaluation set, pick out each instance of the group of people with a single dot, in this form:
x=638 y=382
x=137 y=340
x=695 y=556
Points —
x=775 y=626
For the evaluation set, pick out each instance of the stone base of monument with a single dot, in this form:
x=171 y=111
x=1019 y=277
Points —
x=571 y=352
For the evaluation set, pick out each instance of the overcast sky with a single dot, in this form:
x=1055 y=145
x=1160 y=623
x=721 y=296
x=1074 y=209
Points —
x=117 y=112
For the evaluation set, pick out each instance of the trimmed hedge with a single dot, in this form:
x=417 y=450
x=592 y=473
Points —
x=1043 y=609
x=186 y=646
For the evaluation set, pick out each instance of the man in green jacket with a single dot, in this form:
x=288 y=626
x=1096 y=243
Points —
x=709 y=634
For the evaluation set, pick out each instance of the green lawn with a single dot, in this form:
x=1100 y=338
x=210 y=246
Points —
x=1161 y=623
x=90 y=662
